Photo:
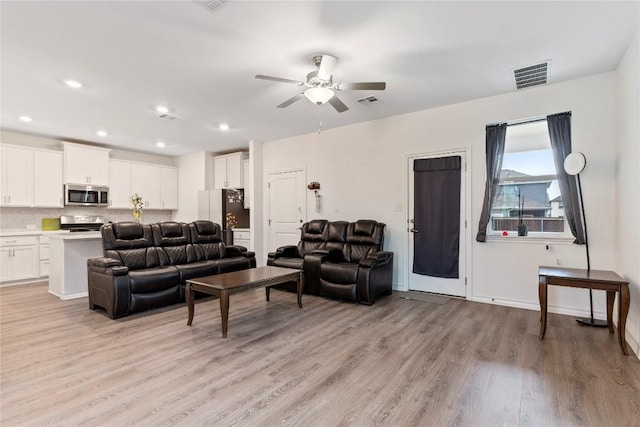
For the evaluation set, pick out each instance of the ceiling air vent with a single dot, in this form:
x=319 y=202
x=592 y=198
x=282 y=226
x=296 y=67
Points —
x=212 y=4
x=168 y=116
x=532 y=75
x=368 y=100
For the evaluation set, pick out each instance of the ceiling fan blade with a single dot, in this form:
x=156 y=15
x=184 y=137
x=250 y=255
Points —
x=327 y=64
x=338 y=105
x=360 y=86
x=279 y=79
x=291 y=100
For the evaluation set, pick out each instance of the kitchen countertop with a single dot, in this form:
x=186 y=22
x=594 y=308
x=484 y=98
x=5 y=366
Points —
x=81 y=235
x=26 y=232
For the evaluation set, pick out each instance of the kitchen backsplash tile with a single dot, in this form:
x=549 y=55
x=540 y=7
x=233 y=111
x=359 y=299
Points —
x=18 y=218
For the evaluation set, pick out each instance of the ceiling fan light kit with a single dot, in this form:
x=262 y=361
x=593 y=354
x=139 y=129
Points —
x=318 y=95
x=321 y=88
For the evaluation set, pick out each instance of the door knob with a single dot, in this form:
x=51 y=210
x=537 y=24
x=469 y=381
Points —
x=413 y=230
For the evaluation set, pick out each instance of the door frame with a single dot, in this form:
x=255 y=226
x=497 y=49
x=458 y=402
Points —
x=466 y=170
x=267 y=202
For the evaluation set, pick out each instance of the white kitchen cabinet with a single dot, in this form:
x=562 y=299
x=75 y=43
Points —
x=242 y=237
x=19 y=258
x=44 y=255
x=47 y=173
x=86 y=165
x=16 y=176
x=168 y=187
x=145 y=181
x=227 y=170
x=120 y=184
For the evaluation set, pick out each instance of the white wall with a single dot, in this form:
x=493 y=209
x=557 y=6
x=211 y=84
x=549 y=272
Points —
x=256 y=213
x=362 y=175
x=628 y=181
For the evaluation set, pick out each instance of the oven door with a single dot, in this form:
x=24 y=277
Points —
x=76 y=195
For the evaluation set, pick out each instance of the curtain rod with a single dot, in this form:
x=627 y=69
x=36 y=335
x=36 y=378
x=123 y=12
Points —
x=527 y=121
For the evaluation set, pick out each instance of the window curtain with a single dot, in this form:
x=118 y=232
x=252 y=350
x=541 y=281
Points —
x=495 y=140
x=560 y=134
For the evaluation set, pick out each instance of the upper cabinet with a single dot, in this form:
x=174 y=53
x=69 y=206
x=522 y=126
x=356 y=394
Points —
x=227 y=170
x=30 y=177
x=156 y=184
x=86 y=165
x=120 y=184
x=47 y=170
x=16 y=176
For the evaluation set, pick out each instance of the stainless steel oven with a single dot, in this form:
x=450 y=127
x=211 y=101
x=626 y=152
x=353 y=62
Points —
x=86 y=195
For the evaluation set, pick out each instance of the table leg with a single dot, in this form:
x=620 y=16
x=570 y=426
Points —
x=189 y=297
x=542 y=294
x=623 y=310
x=267 y=291
x=300 y=283
x=224 y=311
x=611 y=297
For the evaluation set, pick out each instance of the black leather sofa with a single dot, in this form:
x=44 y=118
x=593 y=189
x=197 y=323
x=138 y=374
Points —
x=146 y=265
x=340 y=259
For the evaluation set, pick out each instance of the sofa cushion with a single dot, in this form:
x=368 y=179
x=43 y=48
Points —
x=128 y=230
x=126 y=235
x=139 y=302
x=197 y=269
x=288 y=262
x=339 y=272
x=153 y=279
x=226 y=265
x=364 y=227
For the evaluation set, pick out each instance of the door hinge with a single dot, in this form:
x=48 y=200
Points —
x=465 y=223
x=465 y=166
x=465 y=281
x=268 y=185
x=269 y=222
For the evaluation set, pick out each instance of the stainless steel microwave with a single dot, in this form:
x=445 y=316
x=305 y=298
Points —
x=86 y=195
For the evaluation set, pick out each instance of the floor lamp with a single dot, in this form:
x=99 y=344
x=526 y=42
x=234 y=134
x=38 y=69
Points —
x=574 y=164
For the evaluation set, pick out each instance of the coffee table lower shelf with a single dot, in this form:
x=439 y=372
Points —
x=225 y=284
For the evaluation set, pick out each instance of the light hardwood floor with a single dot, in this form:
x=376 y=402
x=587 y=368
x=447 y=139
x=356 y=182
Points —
x=399 y=362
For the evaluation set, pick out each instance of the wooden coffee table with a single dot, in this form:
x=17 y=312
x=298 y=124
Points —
x=225 y=284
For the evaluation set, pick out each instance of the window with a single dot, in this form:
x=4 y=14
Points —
x=528 y=190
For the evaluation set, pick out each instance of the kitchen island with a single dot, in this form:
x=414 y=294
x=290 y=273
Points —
x=68 y=255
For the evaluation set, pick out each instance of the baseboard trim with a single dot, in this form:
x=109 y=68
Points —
x=536 y=307
x=69 y=296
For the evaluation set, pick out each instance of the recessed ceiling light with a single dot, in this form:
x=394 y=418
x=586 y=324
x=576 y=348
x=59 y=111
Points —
x=162 y=109
x=102 y=133
x=223 y=126
x=25 y=119
x=160 y=144
x=73 y=84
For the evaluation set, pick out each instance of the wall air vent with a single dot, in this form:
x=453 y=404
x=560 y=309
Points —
x=212 y=4
x=368 y=100
x=532 y=75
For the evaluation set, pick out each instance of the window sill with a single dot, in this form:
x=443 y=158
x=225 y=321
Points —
x=537 y=239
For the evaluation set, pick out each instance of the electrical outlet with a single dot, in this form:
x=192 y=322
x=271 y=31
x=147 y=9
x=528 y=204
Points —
x=558 y=261
x=398 y=207
x=337 y=208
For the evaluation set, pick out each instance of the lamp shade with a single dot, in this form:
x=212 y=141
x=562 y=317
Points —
x=318 y=95
x=574 y=163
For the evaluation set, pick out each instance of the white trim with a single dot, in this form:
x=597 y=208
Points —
x=24 y=281
x=535 y=239
x=551 y=308
x=69 y=296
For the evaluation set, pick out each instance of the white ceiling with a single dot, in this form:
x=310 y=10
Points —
x=134 y=55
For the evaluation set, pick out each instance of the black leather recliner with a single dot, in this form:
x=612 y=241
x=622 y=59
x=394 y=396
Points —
x=341 y=259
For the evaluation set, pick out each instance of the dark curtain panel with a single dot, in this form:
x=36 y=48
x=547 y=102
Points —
x=437 y=216
x=560 y=135
x=495 y=140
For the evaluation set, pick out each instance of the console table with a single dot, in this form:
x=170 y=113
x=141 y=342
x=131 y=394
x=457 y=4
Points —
x=587 y=279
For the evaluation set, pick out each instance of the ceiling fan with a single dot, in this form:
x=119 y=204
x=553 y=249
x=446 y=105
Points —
x=320 y=86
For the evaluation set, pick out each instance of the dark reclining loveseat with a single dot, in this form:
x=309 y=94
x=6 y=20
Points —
x=340 y=259
x=146 y=265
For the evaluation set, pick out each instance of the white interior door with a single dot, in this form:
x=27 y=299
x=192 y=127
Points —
x=419 y=282
x=287 y=208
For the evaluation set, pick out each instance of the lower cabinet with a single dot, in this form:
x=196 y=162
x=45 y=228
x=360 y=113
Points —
x=242 y=237
x=19 y=258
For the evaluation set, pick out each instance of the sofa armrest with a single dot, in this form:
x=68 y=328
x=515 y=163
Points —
x=235 y=250
x=109 y=266
x=288 y=251
x=377 y=258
